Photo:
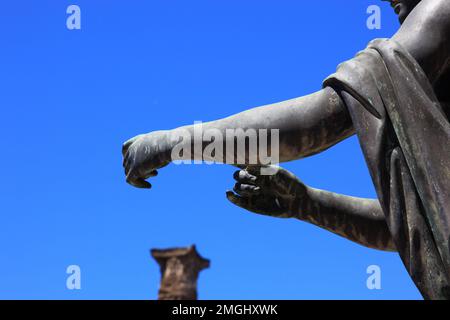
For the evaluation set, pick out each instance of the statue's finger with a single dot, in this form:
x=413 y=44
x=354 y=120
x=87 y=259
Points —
x=246 y=189
x=154 y=173
x=127 y=169
x=125 y=160
x=249 y=204
x=150 y=174
x=126 y=146
x=238 y=200
x=128 y=165
x=138 y=182
x=254 y=169
x=243 y=176
x=261 y=170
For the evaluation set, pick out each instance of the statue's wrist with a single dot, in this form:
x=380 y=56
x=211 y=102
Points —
x=179 y=139
x=165 y=143
x=305 y=203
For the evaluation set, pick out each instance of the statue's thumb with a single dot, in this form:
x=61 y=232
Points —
x=233 y=198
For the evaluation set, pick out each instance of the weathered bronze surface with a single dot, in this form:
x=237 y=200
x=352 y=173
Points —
x=395 y=95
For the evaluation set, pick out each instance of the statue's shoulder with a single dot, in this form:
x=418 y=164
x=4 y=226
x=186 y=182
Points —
x=424 y=35
x=436 y=12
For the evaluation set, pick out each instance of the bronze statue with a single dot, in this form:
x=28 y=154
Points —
x=395 y=95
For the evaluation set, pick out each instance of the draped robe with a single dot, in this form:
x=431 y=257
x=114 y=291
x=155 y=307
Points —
x=405 y=137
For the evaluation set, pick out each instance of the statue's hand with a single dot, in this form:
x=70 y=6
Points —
x=143 y=154
x=280 y=195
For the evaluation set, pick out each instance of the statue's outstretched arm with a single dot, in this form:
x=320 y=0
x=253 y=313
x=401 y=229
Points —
x=306 y=125
x=283 y=195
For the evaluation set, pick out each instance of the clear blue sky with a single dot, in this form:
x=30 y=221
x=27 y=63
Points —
x=70 y=98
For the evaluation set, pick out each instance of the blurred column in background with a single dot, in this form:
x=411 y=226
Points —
x=180 y=268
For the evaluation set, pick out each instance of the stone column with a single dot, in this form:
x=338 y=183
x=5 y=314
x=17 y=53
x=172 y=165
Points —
x=180 y=268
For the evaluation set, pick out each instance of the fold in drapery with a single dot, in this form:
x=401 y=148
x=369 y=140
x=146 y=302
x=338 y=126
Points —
x=405 y=138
